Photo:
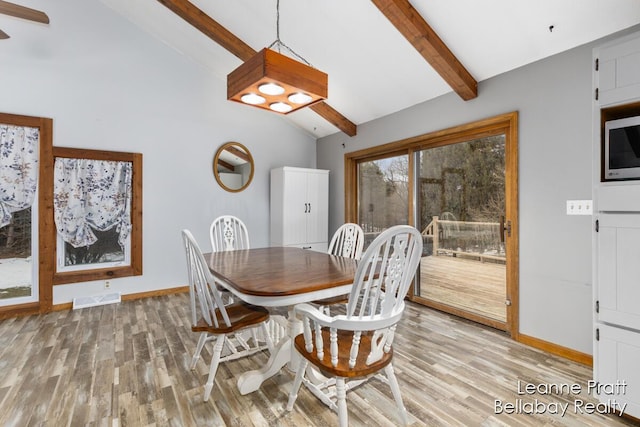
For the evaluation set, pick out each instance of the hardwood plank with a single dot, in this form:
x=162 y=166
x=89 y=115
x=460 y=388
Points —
x=450 y=373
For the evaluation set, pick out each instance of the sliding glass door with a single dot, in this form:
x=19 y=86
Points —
x=383 y=188
x=459 y=188
x=461 y=208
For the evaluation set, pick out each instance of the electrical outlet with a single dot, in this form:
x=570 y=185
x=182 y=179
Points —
x=107 y=284
x=579 y=207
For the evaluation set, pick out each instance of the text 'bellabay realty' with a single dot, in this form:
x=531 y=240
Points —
x=607 y=405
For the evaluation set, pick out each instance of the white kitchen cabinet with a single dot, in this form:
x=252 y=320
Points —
x=616 y=235
x=618 y=71
x=300 y=208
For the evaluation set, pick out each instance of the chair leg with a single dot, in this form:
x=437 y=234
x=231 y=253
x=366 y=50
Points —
x=201 y=341
x=395 y=389
x=293 y=394
x=341 y=402
x=215 y=361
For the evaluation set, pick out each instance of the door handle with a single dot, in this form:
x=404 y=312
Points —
x=504 y=227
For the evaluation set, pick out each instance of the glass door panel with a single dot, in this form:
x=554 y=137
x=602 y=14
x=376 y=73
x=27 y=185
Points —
x=460 y=211
x=383 y=195
x=17 y=273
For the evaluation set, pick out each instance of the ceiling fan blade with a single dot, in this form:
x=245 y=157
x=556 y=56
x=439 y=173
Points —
x=23 y=12
x=3 y=35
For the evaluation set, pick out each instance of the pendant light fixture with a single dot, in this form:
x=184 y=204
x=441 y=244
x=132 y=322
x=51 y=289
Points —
x=276 y=82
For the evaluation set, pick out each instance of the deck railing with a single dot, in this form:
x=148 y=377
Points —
x=480 y=240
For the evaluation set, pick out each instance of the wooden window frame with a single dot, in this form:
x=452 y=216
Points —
x=135 y=267
x=45 y=197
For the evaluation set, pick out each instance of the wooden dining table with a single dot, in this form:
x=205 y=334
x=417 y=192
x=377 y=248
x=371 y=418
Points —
x=280 y=277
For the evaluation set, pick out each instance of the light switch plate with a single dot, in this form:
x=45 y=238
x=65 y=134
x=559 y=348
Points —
x=579 y=207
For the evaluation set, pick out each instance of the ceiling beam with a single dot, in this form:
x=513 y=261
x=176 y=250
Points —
x=23 y=12
x=209 y=27
x=332 y=116
x=226 y=165
x=238 y=153
x=417 y=31
x=225 y=38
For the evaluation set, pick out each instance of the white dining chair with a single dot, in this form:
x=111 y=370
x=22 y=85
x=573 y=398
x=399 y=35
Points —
x=228 y=233
x=347 y=241
x=353 y=347
x=215 y=321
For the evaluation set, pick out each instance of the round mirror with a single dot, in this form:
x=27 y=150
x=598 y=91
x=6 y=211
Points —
x=233 y=167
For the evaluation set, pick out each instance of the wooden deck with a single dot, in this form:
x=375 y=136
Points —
x=470 y=285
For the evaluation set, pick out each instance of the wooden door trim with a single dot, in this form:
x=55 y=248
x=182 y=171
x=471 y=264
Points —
x=460 y=313
x=45 y=199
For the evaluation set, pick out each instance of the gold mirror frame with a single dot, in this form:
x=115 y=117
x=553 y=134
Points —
x=232 y=159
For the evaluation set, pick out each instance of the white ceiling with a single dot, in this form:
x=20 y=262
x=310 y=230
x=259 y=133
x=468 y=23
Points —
x=373 y=70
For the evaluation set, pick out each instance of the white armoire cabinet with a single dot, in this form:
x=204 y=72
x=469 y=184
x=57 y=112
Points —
x=300 y=208
x=616 y=235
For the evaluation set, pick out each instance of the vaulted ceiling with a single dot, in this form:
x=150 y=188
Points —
x=383 y=56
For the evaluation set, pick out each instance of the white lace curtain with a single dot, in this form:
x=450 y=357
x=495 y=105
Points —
x=91 y=194
x=18 y=169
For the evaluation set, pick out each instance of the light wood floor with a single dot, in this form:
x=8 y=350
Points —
x=127 y=365
x=470 y=285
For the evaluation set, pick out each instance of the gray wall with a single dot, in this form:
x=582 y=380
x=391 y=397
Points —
x=553 y=98
x=108 y=85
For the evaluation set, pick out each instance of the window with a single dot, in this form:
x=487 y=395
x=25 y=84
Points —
x=97 y=215
x=106 y=252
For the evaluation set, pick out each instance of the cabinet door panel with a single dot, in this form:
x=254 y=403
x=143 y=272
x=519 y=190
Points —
x=618 y=352
x=295 y=208
x=607 y=268
x=317 y=196
x=618 y=287
x=619 y=75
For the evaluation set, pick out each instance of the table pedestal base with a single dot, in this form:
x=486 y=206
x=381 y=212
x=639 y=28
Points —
x=251 y=381
x=283 y=354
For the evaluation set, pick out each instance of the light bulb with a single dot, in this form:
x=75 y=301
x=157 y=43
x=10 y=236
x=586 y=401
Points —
x=252 y=98
x=280 y=107
x=300 y=98
x=271 y=89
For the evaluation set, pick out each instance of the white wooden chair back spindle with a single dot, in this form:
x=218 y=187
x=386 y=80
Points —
x=228 y=233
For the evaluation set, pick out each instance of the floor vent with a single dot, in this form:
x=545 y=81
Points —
x=84 y=302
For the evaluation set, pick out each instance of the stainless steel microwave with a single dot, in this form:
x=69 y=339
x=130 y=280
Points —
x=622 y=148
